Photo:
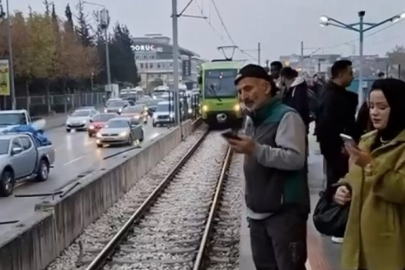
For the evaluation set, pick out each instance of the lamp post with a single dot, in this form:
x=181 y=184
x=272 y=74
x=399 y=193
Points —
x=10 y=53
x=104 y=23
x=361 y=27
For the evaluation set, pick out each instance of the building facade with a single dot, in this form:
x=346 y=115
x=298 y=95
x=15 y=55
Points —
x=154 y=60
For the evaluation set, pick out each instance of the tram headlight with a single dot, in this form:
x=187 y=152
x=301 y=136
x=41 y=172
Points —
x=236 y=107
x=205 y=108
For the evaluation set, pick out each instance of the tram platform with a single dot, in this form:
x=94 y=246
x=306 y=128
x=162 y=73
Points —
x=323 y=254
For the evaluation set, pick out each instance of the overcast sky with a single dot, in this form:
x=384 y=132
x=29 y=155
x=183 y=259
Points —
x=280 y=26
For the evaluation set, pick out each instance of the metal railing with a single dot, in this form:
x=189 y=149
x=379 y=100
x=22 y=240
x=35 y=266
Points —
x=56 y=103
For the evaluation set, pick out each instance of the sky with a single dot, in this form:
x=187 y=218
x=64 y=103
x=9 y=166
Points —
x=279 y=26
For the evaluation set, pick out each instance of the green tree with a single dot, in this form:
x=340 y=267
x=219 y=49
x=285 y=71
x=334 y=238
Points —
x=123 y=67
x=69 y=18
x=42 y=50
x=83 y=28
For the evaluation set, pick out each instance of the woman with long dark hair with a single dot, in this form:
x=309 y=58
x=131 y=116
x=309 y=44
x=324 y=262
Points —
x=375 y=232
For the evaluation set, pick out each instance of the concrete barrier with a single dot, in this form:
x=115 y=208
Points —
x=57 y=223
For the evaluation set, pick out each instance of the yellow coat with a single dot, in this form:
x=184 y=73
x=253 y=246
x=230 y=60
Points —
x=375 y=232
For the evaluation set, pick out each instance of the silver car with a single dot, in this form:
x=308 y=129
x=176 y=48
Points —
x=115 y=106
x=121 y=130
x=80 y=119
x=21 y=158
x=164 y=114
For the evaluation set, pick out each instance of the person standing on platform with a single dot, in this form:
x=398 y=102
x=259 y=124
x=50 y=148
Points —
x=336 y=115
x=375 y=231
x=296 y=93
x=277 y=194
x=275 y=69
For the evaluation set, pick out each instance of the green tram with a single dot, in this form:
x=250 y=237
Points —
x=220 y=104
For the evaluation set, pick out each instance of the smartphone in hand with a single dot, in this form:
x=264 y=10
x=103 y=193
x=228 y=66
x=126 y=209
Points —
x=230 y=135
x=348 y=140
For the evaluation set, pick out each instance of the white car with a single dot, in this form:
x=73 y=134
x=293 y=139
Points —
x=80 y=119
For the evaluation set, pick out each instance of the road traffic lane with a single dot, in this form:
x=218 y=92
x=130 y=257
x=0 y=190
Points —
x=71 y=162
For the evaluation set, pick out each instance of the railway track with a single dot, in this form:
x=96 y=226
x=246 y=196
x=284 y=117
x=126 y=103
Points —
x=177 y=225
x=183 y=223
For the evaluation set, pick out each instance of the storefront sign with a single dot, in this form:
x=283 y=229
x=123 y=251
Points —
x=4 y=78
x=145 y=48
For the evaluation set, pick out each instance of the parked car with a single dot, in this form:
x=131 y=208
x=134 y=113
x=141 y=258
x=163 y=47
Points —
x=116 y=106
x=139 y=112
x=99 y=121
x=21 y=158
x=120 y=130
x=80 y=119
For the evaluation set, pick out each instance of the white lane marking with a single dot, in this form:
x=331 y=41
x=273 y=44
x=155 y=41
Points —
x=154 y=135
x=73 y=160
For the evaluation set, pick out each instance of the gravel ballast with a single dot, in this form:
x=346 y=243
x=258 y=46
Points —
x=169 y=234
x=97 y=234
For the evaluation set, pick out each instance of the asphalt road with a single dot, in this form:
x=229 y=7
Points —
x=75 y=154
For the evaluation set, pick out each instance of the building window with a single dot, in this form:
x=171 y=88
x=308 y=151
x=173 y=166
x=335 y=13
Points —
x=158 y=65
x=171 y=64
x=141 y=65
x=151 y=65
x=152 y=57
x=144 y=57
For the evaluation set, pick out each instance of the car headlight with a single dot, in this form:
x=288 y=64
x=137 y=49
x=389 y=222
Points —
x=84 y=121
x=106 y=110
x=205 y=108
x=91 y=127
x=98 y=135
x=172 y=115
x=123 y=134
x=67 y=122
x=120 y=110
x=137 y=116
x=190 y=110
x=236 y=107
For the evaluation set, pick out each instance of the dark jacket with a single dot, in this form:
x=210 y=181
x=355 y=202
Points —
x=363 y=120
x=297 y=97
x=336 y=115
x=275 y=173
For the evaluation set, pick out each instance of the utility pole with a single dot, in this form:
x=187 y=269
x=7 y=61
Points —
x=302 y=56
x=258 y=53
x=360 y=27
x=104 y=18
x=175 y=16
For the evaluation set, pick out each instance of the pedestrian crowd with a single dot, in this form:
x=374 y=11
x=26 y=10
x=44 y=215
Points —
x=362 y=205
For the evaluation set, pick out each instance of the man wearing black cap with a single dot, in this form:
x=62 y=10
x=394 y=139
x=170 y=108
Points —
x=277 y=195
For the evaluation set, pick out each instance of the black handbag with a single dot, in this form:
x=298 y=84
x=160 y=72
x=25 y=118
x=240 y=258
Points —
x=329 y=217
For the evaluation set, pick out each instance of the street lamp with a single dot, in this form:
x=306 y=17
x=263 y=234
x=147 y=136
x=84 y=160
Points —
x=104 y=23
x=361 y=27
x=10 y=53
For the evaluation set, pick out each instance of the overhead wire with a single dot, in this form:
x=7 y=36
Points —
x=227 y=32
x=209 y=23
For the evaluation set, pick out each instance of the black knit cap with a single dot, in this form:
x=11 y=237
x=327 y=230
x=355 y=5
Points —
x=252 y=71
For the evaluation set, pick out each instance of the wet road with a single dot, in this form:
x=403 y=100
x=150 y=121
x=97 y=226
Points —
x=75 y=154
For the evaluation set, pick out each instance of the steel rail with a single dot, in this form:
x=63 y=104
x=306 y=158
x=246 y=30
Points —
x=110 y=248
x=202 y=250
